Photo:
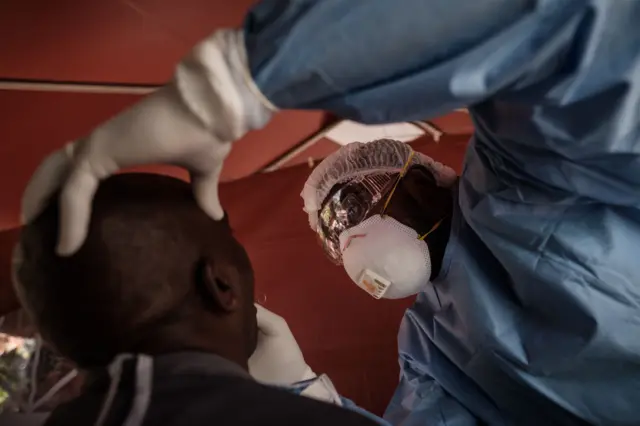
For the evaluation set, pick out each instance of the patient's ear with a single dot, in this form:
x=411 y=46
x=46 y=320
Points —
x=218 y=284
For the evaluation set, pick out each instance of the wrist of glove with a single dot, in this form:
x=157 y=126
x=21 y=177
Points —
x=277 y=359
x=190 y=123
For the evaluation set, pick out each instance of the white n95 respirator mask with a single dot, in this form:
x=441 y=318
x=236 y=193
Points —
x=386 y=258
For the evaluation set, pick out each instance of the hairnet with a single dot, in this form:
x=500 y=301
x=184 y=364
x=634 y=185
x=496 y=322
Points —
x=357 y=159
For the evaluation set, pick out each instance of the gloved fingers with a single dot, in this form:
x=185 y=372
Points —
x=46 y=180
x=75 y=199
x=205 y=190
x=270 y=323
x=75 y=209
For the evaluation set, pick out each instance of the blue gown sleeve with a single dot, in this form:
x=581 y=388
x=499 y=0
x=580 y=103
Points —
x=381 y=61
x=299 y=388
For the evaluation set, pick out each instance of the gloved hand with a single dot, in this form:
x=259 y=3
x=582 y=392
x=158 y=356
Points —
x=277 y=359
x=191 y=123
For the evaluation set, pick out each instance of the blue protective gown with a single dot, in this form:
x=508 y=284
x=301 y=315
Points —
x=535 y=317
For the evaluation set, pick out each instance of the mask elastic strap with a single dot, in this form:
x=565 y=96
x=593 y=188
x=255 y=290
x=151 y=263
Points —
x=386 y=203
x=433 y=228
x=402 y=173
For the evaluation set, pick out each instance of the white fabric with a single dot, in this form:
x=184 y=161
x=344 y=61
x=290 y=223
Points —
x=389 y=249
x=66 y=379
x=143 y=390
x=190 y=122
x=277 y=359
x=115 y=374
x=355 y=159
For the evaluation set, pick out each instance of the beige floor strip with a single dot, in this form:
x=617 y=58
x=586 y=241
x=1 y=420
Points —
x=76 y=88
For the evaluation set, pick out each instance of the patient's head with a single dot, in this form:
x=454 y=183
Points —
x=155 y=275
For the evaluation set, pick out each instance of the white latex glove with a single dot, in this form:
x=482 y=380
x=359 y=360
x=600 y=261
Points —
x=277 y=359
x=191 y=122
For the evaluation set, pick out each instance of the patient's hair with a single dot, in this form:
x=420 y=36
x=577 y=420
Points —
x=134 y=274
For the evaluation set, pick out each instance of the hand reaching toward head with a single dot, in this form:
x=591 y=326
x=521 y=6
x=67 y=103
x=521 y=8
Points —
x=191 y=123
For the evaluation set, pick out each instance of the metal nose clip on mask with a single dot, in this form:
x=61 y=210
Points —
x=384 y=257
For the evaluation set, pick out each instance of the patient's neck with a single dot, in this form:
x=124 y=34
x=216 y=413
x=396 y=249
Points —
x=193 y=338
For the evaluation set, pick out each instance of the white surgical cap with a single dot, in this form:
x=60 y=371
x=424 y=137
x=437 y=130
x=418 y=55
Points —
x=357 y=159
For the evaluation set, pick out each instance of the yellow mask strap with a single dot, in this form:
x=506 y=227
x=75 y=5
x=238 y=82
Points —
x=402 y=173
x=386 y=203
x=433 y=228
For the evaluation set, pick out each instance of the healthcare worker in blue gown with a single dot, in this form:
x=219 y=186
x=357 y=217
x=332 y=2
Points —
x=534 y=317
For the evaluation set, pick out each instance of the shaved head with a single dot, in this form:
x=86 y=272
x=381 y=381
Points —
x=155 y=275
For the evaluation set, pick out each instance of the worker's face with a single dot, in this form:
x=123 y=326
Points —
x=382 y=241
x=416 y=202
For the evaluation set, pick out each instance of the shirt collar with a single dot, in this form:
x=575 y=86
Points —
x=191 y=362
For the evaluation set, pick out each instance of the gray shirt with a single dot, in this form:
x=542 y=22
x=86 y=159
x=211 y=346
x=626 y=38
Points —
x=191 y=388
